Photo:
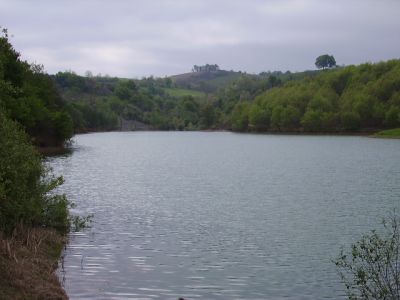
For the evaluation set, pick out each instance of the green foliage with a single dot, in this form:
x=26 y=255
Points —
x=240 y=116
x=390 y=133
x=207 y=115
x=30 y=97
x=26 y=186
x=350 y=120
x=176 y=92
x=206 y=82
x=284 y=118
x=63 y=127
x=289 y=118
x=366 y=97
x=370 y=270
x=392 y=116
x=181 y=102
x=312 y=120
x=259 y=118
x=31 y=109
x=100 y=103
x=353 y=98
x=325 y=61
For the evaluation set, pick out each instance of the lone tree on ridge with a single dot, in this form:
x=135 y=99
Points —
x=325 y=61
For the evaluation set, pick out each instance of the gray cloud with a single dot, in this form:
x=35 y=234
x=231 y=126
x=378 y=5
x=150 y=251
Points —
x=163 y=37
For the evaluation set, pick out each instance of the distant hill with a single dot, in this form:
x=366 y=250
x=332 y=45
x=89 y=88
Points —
x=202 y=99
x=207 y=82
x=354 y=98
x=100 y=103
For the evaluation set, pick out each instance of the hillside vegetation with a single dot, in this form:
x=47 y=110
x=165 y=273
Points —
x=346 y=99
x=205 y=81
x=181 y=102
x=354 y=98
x=29 y=96
x=103 y=103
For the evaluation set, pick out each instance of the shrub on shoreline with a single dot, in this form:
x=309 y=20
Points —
x=371 y=269
x=26 y=184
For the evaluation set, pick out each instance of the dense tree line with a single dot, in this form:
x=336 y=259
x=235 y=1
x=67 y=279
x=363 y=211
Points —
x=205 y=68
x=32 y=113
x=342 y=99
x=245 y=88
x=29 y=96
x=365 y=97
x=100 y=103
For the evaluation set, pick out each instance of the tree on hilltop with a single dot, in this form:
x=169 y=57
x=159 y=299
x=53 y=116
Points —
x=205 y=68
x=325 y=61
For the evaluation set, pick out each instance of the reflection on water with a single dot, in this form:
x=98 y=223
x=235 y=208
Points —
x=221 y=215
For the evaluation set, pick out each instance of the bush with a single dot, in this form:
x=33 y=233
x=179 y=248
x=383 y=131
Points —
x=371 y=270
x=26 y=185
x=350 y=120
x=240 y=116
x=392 y=117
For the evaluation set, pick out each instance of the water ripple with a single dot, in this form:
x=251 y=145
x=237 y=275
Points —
x=220 y=215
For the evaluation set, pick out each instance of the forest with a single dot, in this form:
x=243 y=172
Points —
x=352 y=98
x=194 y=101
x=342 y=99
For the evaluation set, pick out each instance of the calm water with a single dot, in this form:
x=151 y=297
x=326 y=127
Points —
x=221 y=215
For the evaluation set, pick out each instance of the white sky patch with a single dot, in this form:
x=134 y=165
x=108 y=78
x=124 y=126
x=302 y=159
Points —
x=281 y=8
x=210 y=33
x=39 y=55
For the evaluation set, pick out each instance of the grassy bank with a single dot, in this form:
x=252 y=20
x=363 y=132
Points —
x=390 y=133
x=28 y=259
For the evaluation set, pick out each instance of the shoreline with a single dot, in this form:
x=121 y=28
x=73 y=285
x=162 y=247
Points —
x=28 y=262
x=307 y=133
x=53 y=150
x=60 y=150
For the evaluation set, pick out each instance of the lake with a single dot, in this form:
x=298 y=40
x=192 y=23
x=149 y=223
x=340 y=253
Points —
x=219 y=215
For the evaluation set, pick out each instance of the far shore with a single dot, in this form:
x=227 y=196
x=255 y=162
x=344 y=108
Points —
x=59 y=150
x=299 y=132
x=53 y=150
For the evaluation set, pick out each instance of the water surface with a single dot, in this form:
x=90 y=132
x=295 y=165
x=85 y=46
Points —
x=221 y=215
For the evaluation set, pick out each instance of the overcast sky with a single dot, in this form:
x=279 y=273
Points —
x=165 y=37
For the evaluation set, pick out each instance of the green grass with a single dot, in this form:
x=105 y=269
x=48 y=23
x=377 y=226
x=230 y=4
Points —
x=390 y=133
x=222 y=81
x=175 y=92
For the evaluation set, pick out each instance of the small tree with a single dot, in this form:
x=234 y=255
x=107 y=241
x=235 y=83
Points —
x=371 y=270
x=325 y=61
